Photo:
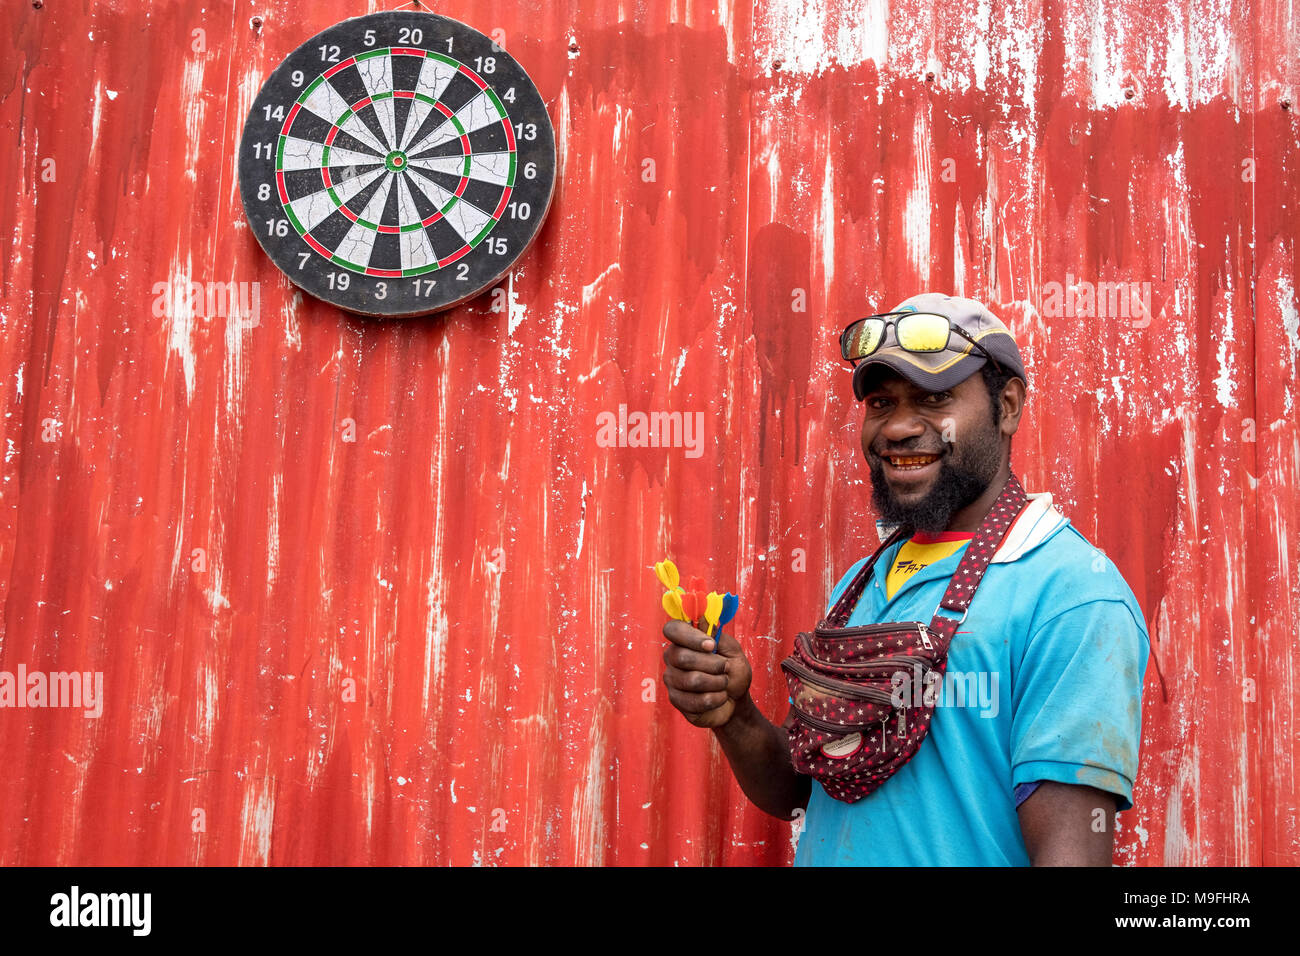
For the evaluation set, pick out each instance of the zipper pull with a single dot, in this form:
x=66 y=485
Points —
x=925 y=638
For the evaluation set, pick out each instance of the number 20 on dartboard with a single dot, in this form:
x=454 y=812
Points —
x=397 y=164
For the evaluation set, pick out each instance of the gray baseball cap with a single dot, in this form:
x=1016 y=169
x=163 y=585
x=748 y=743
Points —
x=939 y=370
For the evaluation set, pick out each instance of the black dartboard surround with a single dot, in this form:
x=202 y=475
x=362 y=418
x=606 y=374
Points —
x=397 y=164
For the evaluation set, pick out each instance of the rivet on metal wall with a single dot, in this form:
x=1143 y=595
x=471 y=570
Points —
x=1286 y=104
x=256 y=24
x=776 y=64
x=929 y=77
x=37 y=4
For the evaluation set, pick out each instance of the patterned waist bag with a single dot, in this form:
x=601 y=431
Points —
x=863 y=697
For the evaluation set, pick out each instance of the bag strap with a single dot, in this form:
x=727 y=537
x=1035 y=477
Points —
x=970 y=571
x=843 y=609
x=965 y=580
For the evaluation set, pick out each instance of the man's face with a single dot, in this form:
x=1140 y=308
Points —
x=931 y=453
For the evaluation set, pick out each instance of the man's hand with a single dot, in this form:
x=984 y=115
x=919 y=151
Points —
x=712 y=690
x=704 y=686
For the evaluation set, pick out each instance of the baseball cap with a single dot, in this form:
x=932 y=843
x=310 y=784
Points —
x=941 y=370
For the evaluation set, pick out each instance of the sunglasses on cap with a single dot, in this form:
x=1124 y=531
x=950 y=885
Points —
x=920 y=332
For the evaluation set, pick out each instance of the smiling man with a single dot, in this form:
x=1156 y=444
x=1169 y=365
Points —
x=1033 y=768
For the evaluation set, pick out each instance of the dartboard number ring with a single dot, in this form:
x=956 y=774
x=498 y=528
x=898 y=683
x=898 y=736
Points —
x=397 y=164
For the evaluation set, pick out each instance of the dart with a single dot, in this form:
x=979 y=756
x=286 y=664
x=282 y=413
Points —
x=694 y=606
x=667 y=574
x=730 y=604
x=673 y=605
x=690 y=607
x=712 y=610
x=701 y=605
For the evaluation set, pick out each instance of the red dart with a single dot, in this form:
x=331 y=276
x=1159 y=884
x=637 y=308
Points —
x=701 y=603
x=689 y=607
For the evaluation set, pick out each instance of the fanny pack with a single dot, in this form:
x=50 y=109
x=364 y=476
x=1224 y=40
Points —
x=862 y=697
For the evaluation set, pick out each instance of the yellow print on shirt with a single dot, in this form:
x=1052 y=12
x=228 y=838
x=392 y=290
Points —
x=915 y=555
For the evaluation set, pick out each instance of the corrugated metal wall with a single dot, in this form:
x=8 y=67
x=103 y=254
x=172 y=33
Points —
x=182 y=509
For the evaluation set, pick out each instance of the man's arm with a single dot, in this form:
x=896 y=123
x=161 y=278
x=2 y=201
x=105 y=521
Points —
x=1068 y=825
x=712 y=690
x=1076 y=726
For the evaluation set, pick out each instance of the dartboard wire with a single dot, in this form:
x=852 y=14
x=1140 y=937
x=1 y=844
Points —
x=464 y=222
x=337 y=127
x=376 y=72
x=356 y=184
x=439 y=203
x=463 y=123
x=332 y=100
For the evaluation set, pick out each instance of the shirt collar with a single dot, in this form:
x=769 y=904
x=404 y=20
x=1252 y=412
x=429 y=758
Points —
x=1039 y=520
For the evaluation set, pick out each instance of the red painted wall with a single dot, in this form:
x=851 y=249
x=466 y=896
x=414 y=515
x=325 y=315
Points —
x=475 y=562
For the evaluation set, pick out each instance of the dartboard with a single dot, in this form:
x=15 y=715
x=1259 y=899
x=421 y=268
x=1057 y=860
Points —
x=397 y=164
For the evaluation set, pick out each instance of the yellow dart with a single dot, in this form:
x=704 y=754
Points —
x=713 y=610
x=667 y=574
x=673 y=605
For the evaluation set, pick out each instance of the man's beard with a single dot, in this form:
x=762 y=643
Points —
x=959 y=483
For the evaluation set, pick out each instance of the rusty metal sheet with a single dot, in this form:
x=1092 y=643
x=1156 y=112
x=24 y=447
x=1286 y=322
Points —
x=369 y=592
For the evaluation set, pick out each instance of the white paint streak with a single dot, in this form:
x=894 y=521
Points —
x=589 y=837
x=1287 y=306
x=815 y=35
x=256 y=817
x=916 y=212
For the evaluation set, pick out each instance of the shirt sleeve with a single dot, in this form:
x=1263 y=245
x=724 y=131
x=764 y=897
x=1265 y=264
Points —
x=1077 y=700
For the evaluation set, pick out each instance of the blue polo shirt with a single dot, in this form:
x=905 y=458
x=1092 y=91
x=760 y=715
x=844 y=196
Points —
x=1044 y=682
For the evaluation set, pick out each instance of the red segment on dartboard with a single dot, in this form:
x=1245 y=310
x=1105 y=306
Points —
x=501 y=206
x=288 y=120
x=454 y=256
x=473 y=76
x=334 y=69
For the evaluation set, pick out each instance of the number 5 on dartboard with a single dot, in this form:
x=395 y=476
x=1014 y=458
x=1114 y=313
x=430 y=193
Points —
x=375 y=154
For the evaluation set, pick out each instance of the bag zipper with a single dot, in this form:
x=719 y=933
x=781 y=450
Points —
x=840 y=730
x=866 y=630
x=880 y=663
x=846 y=688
